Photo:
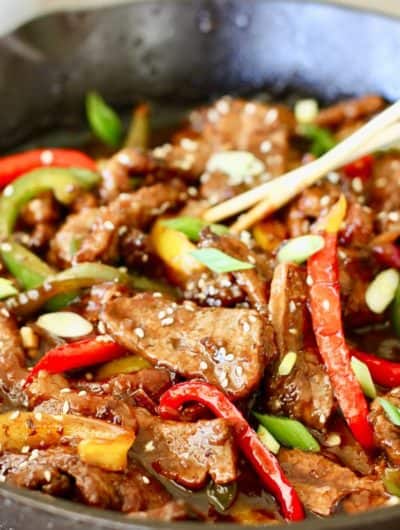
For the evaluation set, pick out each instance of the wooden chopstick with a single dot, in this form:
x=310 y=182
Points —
x=275 y=193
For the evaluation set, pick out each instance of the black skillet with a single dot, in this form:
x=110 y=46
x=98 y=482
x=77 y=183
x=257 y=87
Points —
x=179 y=53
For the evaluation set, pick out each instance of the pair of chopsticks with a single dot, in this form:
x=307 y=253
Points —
x=381 y=131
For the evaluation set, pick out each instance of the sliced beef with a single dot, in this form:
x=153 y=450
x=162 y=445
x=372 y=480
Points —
x=52 y=394
x=387 y=435
x=60 y=472
x=228 y=347
x=128 y=210
x=91 y=304
x=141 y=389
x=12 y=360
x=306 y=392
x=350 y=110
x=251 y=281
x=187 y=453
x=359 y=228
x=383 y=191
x=322 y=484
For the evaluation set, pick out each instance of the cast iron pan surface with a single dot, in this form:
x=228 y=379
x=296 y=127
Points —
x=178 y=53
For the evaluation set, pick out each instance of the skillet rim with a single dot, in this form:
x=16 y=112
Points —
x=97 y=518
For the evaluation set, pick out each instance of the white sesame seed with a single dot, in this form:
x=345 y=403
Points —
x=326 y=305
x=266 y=146
x=108 y=225
x=333 y=177
x=189 y=145
x=139 y=333
x=246 y=327
x=238 y=371
x=293 y=331
x=309 y=281
x=203 y=365
x=230 y=357
x=2 y=478
x=222 y=106
x=167 y=321
x=393 y=216
x=25 y=449
x=65 y=391
x=149 y=446
x=381 y=182
x=6 y=247
x=292 y=306
x=157 y=295
x=33 y=294
x=82 y=393
x=250 y=108
x=38 y=416
x=332 y=440
x=47 y=157
x=170 y=311
x=252 y=319
x=146 y=480
x=325 y=200
x=14 y=415
x=5 y=312
x=47 y=475
x=8 y=190
x=357 y=185
x=271 y=115
x=23 y=299
x=65 y=408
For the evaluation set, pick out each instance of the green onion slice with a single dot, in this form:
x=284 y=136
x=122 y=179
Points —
x=268 y=440
x=192 y=226
x=322 y=140
x=299 y=249
x=395 y=312
x=290 y=433
x=382 y=290
x=392 y=412
x=103 y=120
x=363 y=376
x=391 y=480
x=218 y=261
x=287 y=364
x=7 y=288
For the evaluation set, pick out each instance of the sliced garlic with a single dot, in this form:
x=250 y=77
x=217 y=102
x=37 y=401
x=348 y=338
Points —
x=240 y=166
x=65 y=324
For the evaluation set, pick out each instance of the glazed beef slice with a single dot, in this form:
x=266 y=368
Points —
x=227 y=347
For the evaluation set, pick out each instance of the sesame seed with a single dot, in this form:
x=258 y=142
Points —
x=357 y=185
x=333 y=177
x=14 y=415
x=292 y=306
x=139 y=333
x=146 y=480
x=238 y=371
x=47 y=475
x=101 y=327
x=108 y=225
x=5 y=312
x=271 y=115
x=170 y=311
x=82 y=393
x=33 y=294
x=326 y=305
x=222 y=106
x=333 y=440
x=265 y=146
x=8 y=190
x=38 y=416
x=292 y=331
x=250 y=108
x=167 y=321
x=65 y=391
x=252 y=318
x=309 y=281
x=325 y=200
x=46 y=157
x=230 y=357
x=66 y=407
x=203 y=365
x=157 y=295
x=2 y=478
x=224 y=383
x=246 y=327
x=149 y=446
x=188 y=144
x=161 y=315
x=6 y=247
x=25 y=449
x=23 y=299
x=393 y=216
x=381 y=182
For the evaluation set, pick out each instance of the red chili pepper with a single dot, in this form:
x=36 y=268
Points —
x=383 y=372
x=11 y=167
x=264 y=463
x=387 y=254
x=361 y=168
x=326 y=315
x=77 y=355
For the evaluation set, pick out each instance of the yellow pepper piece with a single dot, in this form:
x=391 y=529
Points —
x=125 y=365
x=37 y=430
x=269 y=234
x=336 y=216
x=174 y=249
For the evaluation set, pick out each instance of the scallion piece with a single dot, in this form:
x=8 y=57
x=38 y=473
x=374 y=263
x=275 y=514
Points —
x=321 y=139
x=391 y=481
x=7 y=288
x=218 y=261
x=392 y=412
x=192 y=226
x=268 y=440
x=287 y=363
x=382 y=290
x=290 y=433
x=299 y=249
x=103 y=120
x=363 y=375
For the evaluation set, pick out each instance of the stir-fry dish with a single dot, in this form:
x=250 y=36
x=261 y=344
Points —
x=161 y=365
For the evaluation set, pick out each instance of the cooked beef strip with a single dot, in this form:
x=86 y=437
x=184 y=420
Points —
x=228 y=347
x=59 y=471
x=251 y=281
x=322 y=484
x=305 y=393
x=12 y=360
x=387 y=435
x=187 y=453
x=52 y=394
x=384 y=191
x=349 y=110
x=128 y=210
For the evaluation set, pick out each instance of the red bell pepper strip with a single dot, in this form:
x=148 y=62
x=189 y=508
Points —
x=323 y=273
x=78 y=354
x=264 y=463
x=361 y=168
x=383 y=372
x=13 y=166
x=387 y=254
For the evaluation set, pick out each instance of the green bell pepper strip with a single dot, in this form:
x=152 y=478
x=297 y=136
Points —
x=64 y=183
x=79 y=277
x=30 y=271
